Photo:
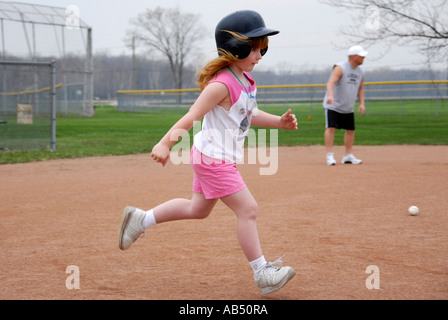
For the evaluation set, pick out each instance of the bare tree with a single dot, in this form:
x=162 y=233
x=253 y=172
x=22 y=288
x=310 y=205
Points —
x=169 y=32
x=423 y=23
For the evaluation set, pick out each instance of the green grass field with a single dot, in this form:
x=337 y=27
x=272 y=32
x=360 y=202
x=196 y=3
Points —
x=111 y=132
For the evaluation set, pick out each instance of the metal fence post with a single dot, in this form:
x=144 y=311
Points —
x=53 y=105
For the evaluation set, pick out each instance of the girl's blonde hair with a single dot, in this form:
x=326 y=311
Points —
x=225 y=58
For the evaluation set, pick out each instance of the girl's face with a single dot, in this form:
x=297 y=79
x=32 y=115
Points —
x=248 y=63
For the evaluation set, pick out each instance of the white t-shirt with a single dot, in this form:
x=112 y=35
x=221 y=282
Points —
x=223 y=132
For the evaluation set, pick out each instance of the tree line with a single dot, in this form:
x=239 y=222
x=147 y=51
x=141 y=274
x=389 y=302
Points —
x=113 y=73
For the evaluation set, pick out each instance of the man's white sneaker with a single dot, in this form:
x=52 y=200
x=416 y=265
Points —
x=130 y=227
x=330 y=159
x=272 y=278
x=351 y=159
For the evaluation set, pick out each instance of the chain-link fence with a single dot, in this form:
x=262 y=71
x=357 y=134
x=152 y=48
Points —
x=303 y=95
x=27 y=106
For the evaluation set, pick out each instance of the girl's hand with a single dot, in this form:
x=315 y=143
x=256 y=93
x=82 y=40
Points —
x=161 y=153
x=288 y=121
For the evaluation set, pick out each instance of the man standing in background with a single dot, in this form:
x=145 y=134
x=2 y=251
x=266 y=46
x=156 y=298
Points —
x=345 y=85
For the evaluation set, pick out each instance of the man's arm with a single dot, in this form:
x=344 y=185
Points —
x=334 y=78
x=361 y=108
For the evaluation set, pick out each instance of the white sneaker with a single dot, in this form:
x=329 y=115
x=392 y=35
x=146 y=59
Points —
x=351 y=159
x=130 y=227
x=330 y=159
x=272 y=278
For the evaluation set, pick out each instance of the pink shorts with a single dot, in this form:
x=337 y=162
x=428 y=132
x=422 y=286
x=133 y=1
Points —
x=213 y=177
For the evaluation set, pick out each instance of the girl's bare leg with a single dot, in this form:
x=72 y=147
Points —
x=246 y=209
x=179 y=209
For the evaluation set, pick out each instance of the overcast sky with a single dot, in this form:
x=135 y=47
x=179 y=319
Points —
x=308 y=38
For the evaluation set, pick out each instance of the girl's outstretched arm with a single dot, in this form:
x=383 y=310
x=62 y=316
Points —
x=287 y=121
x=212 y=95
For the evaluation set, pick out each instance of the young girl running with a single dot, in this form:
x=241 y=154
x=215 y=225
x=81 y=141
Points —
x=228 y=108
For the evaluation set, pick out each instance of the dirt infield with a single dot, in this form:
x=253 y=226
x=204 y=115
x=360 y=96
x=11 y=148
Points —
x=331 y=222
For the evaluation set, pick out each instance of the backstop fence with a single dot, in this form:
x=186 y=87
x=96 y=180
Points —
x=304 y=96
x=27 y=106
x=33 y=32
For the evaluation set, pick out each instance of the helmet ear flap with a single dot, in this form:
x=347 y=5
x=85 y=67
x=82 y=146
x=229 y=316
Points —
x=240 y=49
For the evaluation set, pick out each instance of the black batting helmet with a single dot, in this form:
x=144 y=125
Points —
x=246 y=23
